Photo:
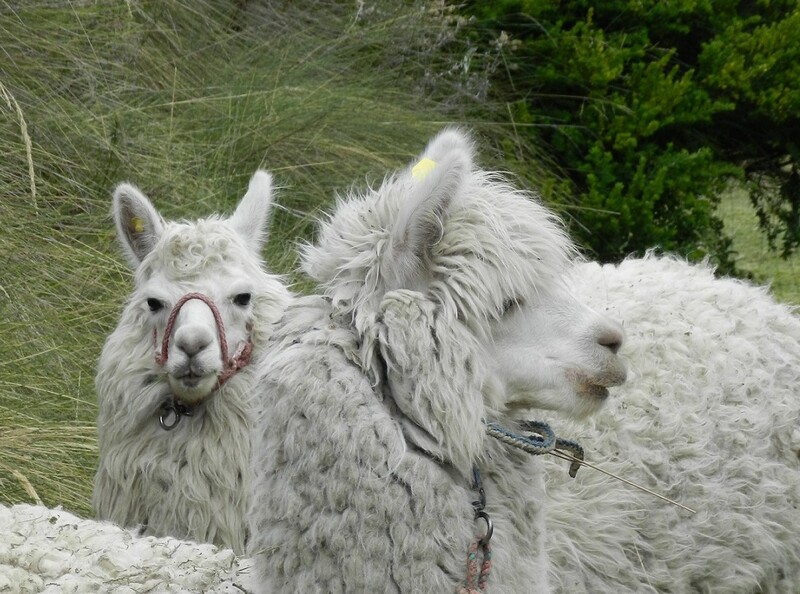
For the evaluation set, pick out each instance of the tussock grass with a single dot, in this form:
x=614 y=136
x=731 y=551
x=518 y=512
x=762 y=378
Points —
x=185 y=99
x=44 y=456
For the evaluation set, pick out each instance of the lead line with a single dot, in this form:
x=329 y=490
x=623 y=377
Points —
x=571 y=458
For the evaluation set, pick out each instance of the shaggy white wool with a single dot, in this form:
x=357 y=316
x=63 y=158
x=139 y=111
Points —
x=710 y=417
x=360 y=253
x=373 y=396
x=51 y=551
x=348 y=499
x=193 y=481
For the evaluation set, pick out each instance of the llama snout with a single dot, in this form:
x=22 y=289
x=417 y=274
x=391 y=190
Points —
x=193 y=340
x=194 y=363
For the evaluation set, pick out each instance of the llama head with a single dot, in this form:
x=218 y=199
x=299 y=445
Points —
x=202 y=298
x=491 y=265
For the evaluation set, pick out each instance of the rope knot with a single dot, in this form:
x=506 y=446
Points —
x=478 y=571
x=240 y=359
x=540 y=439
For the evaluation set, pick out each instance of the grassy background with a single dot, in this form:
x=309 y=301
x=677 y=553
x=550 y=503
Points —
x=753 y=255
x=186 y=99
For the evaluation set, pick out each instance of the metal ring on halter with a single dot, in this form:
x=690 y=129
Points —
x=173 y=409
x=169 y=412
x=489 y=527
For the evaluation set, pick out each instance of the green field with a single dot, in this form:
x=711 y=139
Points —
x=753 y=254
x=187 y=99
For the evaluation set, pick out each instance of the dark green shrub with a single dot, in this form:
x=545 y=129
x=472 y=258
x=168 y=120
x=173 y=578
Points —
x=650 y=108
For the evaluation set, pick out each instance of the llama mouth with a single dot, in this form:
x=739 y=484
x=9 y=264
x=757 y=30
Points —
x=192 y=388
x=592 y=386
x=595 y=386
x=190 y=379
x=595 y=391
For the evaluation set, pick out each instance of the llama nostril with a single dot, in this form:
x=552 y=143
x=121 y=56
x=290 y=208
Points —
x=611 y=338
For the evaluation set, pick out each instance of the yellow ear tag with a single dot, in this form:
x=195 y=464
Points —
x=423 y=168
x=137 y=225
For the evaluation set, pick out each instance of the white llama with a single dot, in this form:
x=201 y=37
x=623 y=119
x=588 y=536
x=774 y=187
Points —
x=173 y=384
x=444 y=309
x=50 y=551
x=710 y=417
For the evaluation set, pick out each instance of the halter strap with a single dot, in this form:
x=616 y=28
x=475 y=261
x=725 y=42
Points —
x=230 y=365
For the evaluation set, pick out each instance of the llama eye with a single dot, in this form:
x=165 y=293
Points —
x=510 y=305
x=242 y=299
x=154 y=304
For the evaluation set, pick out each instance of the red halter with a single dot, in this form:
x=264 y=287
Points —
x=229 y=365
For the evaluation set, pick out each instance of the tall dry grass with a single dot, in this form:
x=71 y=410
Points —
x=185 y=99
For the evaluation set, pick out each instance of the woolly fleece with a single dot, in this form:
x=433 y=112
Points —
x=710 y=417
x=51 y=551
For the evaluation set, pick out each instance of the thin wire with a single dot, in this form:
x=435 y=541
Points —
x=569 y=457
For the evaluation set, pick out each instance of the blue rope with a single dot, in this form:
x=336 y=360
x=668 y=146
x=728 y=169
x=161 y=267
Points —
x=540 y=439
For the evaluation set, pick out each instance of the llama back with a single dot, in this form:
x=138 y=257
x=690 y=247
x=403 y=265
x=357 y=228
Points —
x=710 y=418
x=51 y=550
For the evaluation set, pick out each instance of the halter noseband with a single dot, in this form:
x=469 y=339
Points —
x=230 y=365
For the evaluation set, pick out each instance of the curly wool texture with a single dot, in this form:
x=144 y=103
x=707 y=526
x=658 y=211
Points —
x=498 y=241
x=51 y=551
x=349 y=497
x=710 y=417
x=372 y=397
x=193 y=481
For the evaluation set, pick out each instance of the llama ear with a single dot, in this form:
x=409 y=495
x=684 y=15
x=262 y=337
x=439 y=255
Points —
x=139 y=225
x=448 y=141
x=250 y=217
x=434 y=183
